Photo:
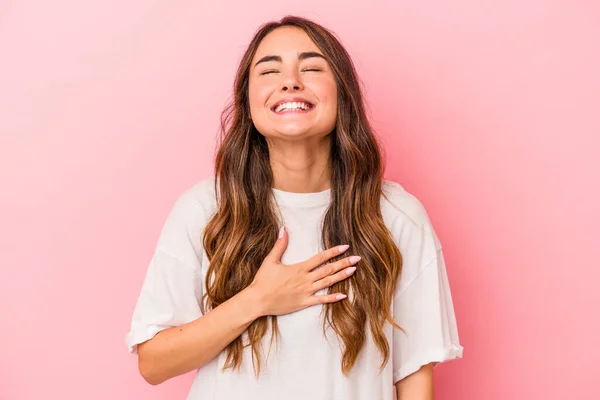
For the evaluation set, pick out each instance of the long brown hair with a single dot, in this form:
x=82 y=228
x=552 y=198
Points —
x=244 y=228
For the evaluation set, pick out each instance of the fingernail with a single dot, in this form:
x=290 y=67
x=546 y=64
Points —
x=343 y=248
x=281 y=230
x=354 y=259
x=340 y=296
x=350 y=271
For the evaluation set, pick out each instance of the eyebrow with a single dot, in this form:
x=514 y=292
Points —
x=302 y=56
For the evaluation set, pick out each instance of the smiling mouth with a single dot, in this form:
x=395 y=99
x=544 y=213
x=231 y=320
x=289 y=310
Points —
x=292 y=106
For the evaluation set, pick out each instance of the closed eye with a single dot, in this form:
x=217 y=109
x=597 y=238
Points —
x=304 y=70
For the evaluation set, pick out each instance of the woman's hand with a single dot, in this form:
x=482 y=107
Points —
x=283 y=289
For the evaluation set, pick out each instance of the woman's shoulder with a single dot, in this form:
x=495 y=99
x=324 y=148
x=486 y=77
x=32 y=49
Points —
x=190 y=212
x=200 y=193
x=408 y=221
x=197 y=201
x=399 y=203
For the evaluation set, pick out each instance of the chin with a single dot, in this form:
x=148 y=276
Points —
x=291 y=131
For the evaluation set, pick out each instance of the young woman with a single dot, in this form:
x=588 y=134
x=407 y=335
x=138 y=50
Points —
x=296 y=271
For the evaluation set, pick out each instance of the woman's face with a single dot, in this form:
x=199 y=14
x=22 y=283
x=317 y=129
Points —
x=292 y=90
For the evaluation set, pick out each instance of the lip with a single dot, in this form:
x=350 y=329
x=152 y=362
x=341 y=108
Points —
x=292 y=99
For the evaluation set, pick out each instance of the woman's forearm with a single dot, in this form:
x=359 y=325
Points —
x=178 y=350
x=417 y=386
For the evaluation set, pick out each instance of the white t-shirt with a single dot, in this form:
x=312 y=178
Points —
x=304 y=364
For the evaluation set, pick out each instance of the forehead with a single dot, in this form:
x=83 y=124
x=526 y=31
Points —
x=287 y=40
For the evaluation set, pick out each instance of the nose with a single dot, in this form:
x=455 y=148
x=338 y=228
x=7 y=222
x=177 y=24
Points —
x=291 y=82
x=293 y=87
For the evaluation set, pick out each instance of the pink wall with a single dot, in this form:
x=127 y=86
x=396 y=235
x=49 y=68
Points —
x=108 y=110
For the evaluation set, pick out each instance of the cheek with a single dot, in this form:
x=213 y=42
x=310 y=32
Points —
x=253 y=95
x=257 y=95
x=327 y=91
x=332 y=108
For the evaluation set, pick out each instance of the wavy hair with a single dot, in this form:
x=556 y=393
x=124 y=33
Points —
x=244 y=229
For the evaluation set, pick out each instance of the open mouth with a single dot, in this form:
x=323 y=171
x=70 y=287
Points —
x=292 y=106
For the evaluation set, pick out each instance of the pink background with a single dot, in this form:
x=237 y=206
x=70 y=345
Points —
x=489 y=111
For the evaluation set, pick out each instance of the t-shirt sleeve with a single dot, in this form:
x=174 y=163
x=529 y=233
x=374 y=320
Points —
x=171 y=291
x=423 y=306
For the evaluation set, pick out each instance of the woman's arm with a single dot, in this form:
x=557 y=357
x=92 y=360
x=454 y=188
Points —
x=183 y=348
x=276 y=289
x=416 y=386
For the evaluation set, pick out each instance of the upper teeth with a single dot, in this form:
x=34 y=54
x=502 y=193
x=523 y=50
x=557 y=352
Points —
x=292 y=105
